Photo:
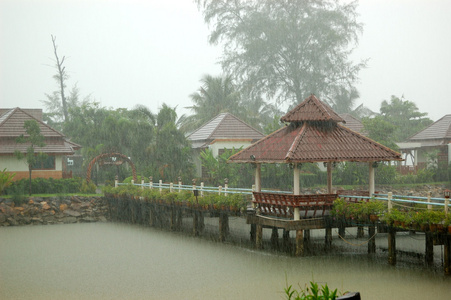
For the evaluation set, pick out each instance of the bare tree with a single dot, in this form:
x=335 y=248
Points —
x=61 y=76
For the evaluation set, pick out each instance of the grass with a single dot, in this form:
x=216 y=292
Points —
x=54 y=195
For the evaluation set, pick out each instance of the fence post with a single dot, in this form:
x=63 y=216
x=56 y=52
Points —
x=133 y=182
x=142 y=184
x=150 y=182
x=226 y=185
x=390 y=204
x=161 y=185
x=116 y=181
x=180 y=183
x=194 y=184
x=447 y=194
x=202 y=189
x=171 y=185
x=429 y=200
x=219 y=190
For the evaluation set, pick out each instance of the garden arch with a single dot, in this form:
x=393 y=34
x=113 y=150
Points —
x=105 y=155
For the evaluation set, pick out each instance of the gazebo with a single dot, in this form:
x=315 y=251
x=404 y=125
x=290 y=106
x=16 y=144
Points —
x=313 y=134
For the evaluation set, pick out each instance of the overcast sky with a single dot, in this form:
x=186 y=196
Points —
x=150 y=52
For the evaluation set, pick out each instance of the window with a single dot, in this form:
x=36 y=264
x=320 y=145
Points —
x=46 y=164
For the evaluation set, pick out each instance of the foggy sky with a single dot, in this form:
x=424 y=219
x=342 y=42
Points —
x=129 y=52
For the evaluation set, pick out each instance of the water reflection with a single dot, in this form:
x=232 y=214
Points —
x=117 y=261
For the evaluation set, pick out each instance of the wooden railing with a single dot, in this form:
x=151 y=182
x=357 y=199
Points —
x=282 y=205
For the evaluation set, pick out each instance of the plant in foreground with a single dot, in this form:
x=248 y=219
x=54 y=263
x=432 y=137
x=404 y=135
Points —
x=312 y=292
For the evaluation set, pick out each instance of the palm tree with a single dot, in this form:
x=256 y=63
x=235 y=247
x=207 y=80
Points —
x=216 y=95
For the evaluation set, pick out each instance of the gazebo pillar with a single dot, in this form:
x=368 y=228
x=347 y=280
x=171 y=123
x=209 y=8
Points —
x=371 y=178
x=296 y=189
x=329 y=177
x=258 y=177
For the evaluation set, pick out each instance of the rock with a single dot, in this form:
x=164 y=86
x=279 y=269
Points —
x=88 y=219
x=12 y=221
x=45 y=206
x=31 y=201
x=72 y=213
x=102 y=219
x=63 y=207
x=68 y=220
x=2 y=218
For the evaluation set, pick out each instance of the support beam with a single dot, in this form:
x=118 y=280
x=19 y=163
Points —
x=371 y=181
x=275 y=238
x=328 y=245
x=258 y=237
x=429 y=255
x=372 y=241
x=299 y=243
x=447 y=255
x=329 y=177
x=258 y=178
x=286 y=241
x=296 y=190
x=391 y=246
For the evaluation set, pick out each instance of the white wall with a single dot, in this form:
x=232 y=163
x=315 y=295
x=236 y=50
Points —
x=215 y=147
x=12 y=164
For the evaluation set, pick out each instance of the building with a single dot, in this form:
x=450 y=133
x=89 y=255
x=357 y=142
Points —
x=56 y=145
x=435 y=138
x=225 y=131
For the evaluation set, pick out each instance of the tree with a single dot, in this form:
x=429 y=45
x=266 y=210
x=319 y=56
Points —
x=287 y=49
x=171 y=150
x=405 y=116
x=381 y=131
x=216 y=95
x=100 y=130
x=35 y=139
x=57 y=102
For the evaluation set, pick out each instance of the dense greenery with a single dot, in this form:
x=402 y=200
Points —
x=50 y=186
x=210 y=201
x=6 y=179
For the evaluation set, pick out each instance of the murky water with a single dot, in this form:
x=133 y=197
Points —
x=117 y=261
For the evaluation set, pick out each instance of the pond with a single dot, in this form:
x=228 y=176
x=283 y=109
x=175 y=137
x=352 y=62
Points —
x=119 y=261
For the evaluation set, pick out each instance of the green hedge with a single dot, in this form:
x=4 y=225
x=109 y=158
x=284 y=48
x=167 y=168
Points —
x=48 y=186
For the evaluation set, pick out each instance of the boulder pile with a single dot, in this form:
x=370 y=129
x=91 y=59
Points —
x=52 y=210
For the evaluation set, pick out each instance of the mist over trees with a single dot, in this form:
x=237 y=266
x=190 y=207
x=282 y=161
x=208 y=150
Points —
x=288 y=49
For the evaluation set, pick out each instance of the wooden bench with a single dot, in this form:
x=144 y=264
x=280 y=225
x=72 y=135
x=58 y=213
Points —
x=282 y=205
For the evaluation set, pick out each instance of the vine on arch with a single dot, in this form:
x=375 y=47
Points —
x=105 y=155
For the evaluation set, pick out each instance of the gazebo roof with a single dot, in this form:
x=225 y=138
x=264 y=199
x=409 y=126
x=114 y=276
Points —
x=314 y=139
x=312 y=109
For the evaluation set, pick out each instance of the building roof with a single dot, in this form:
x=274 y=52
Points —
x=353 y=123
x=12 y=126
x=311 y=109
x=224 y=126
x=314 y=140
x=439 y=130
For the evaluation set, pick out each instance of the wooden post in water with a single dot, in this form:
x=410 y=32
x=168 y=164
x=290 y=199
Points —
x=223 y=226
x=447 y=254
x=253 y=233
x=275 y=238
x=429 y=254
x=360 y=232
x=391 y=245
x=173 y=218
x=286 y=240
x=195 y=223
x=372 y=241
x=299 y=243
x=259 y=237
x=328 y=245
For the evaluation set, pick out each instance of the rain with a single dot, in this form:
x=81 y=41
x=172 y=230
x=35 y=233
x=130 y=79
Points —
x=163 y=149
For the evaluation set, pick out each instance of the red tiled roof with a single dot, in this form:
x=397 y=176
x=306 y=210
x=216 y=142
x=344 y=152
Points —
x=314 y=140
x=312 y=109
x=308 y=143
x=12 y=126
